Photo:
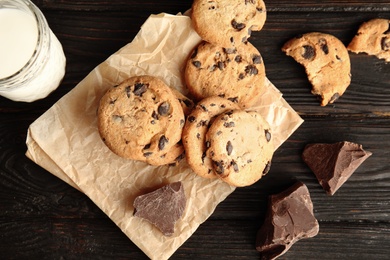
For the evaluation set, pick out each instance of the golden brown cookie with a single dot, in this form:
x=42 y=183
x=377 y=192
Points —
x=140 y=119
x=373 y=38
x=326 y=61
x=240 y=146
x=237 y=75
x=227 y=23
x=195 y=129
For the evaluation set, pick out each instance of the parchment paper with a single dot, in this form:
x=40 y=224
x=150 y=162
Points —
x=65 y=140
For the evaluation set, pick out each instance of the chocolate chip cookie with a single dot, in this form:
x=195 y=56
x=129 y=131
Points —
x=240 y=147
x=227 y=23
x=237 y=75
x=195 y=129
x=326 y=61
x=373 y=38
x=140 y=119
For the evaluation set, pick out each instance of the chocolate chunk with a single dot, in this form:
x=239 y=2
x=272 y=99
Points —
x=309 y=52
x=162 y=207
x=334 y=163
x=163 y=109
x=267 y=135
x=220 y=65
x=229 y=148
x=197 y=64
x=140 y=88
x=289 y=218
x=161 y=143
x=251 y=70
x=237 y=26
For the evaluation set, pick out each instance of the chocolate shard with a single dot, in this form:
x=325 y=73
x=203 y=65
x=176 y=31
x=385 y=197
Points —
x=289 y=218
x=333 y=164
x=162 y=207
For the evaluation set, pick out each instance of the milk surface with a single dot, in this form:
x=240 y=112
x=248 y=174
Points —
x=18 y=39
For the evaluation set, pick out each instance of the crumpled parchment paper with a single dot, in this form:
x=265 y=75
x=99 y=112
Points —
x=65 y=139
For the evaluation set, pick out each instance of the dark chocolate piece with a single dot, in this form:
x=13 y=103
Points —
x=289 y=218
x=162 y=207
x=334 y=163
x=309 y=52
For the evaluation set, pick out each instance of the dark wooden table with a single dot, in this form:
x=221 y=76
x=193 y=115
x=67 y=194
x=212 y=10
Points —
x=41 y=217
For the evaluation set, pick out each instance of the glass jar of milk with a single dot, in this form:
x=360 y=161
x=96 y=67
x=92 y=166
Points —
x=32 y=61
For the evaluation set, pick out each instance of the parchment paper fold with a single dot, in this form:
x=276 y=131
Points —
x=65 y=140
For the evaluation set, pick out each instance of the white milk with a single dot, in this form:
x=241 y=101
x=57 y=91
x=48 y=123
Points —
x=32 y=61
x=18 y=39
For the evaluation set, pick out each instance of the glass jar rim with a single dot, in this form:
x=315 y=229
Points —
x=21 y=75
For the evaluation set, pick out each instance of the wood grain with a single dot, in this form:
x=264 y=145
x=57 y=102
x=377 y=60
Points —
x=43 y=218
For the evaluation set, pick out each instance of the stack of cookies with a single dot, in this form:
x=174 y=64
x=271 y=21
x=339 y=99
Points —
x=225 y=75
x=144 y=119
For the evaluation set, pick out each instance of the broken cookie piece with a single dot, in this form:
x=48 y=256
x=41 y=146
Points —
x=373 y=38
x=326 y=61
x=162 y=207
x=333 y=164
x=289 y=218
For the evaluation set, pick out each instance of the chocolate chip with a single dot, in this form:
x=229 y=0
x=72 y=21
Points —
x=127 y=90
x=147 y=154
x=267 y=168
x=241 y=76
x=230 y=50
x=194 y=53
x=267 y=135
x=191 y=119
x=203 y=156
x=385 y=43
x=235 y=166
x=334 y=97
x=161 y=143
x=207 y=143
x=257 y=59
x=197 y=64
x=163 y=108
x=219 y=167
x=198 y=135
x=251 y=70
x=229 y=148
x=324 y=46
x=219 y=132
x=204 y=108
x=220 y=65
x=309 y=52
x=140 y=88
x=259 y=9
x=187 y=102
x=249 y=2
x=202 y=123
x=112 y=102
x=238 y=59
x=146 y=147
x=237 y=26
x=337 y=57
x=229 y=124
x=155 y=115
x=233 y=99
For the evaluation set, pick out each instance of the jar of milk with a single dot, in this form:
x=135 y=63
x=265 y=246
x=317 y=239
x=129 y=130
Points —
x=32 y=61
